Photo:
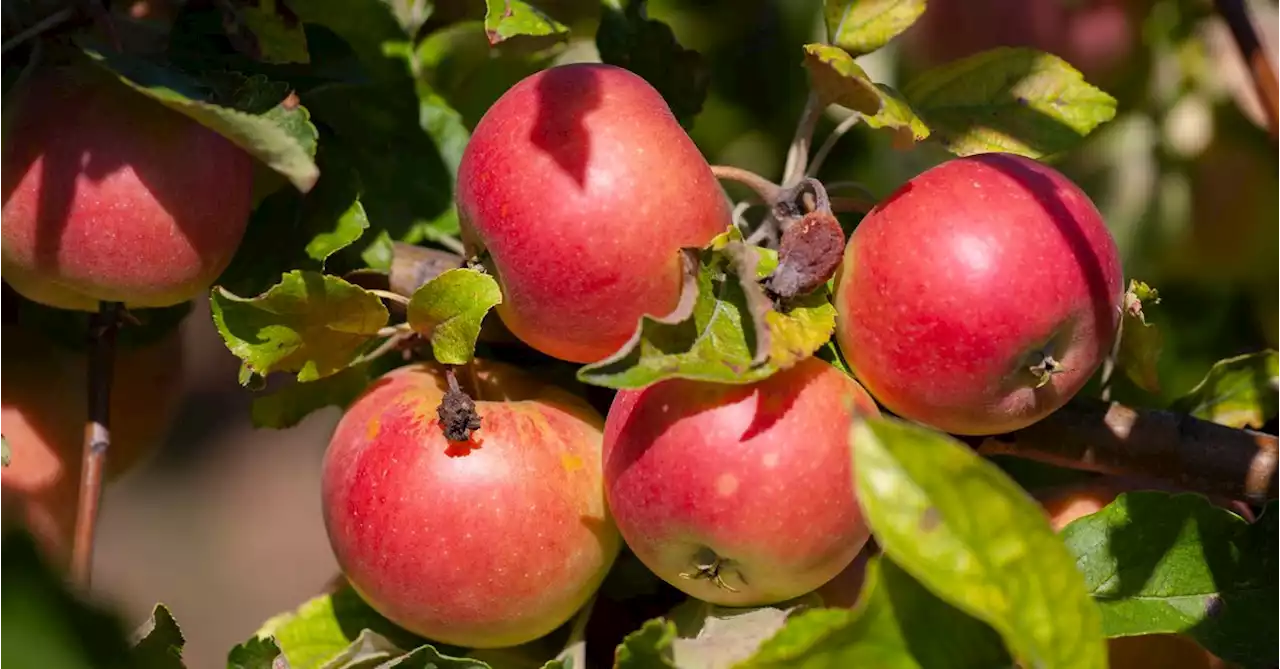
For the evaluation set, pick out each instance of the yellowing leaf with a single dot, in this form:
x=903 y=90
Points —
x=1011 y=100
x=310 y=323
x=863 y=26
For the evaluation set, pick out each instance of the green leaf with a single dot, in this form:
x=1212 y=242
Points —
x=725 y=330
x=710 y=636
x=505 y=19
x=374 y=29
x=281 y=137
x=5 y=455
x=1140 y=341
x=428 y=657
x=628 y=38
x=863 y=26
x=839 y=80
x=449 y=310
x=381 y=133
x=255 y=653
x=158 y=643
x=966 y=531
x=326 y=626
x=287 y=406
x=898 y=117
x=1239 y=391
x=649 y=647
x=897 y=624
x=47 y=625
x=1011 y=100
x=279 y=36
x=1161 y=563
x=290 y=230
x=310 y=323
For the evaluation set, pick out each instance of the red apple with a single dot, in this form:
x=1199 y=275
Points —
x=1100 y=37
x=487 y=543
x=582 y=187
x=845 y=589
x=739 y=495
x=43 y=408
x=980 y=296
x=109 y=195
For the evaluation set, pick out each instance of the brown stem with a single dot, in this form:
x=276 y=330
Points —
x=767 y=190
x=1264 y=74
x=40 y=27
x=798 y=152
x=97 y=437
x=1109 y=438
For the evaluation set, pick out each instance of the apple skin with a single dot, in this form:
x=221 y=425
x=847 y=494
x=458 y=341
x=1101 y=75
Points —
x=583 y=187
x=1100 y=37
x=758 y=476
x=43 y=409
x=488 y=543
x=956 y=284
x=111 y=196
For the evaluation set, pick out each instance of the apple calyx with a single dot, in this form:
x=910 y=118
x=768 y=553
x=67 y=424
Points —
x=1045 y=367
x=812 y=243
x=707 y=565
x=457 y=411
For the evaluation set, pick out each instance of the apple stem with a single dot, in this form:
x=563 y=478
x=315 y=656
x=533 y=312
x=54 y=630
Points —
x=767 y=190
x=38 y=28
x=1109 y=438
x=457 y=411
x=1109 y=365
x=388 y=295
x=830 y=143
x=798 y=152
x=1236 y=14
x=97 y=437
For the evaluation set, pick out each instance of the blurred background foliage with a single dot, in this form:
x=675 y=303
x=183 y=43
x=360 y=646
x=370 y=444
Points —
x=1186 y=177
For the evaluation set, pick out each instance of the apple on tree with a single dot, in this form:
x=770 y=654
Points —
x=489 y=542
x=739 y=495
x=111 y=196
x=582 y=188
x=43 y=414
x=980 y=296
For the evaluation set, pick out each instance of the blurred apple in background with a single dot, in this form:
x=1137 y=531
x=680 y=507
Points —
x=1098 y=37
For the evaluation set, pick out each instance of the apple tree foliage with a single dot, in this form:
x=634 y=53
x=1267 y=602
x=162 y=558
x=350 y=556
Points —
x=357 y=113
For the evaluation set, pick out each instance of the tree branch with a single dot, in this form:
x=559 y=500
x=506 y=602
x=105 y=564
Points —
x=1255 y=57
x=767 y=190
x=1109 y=438
x=97 y=437
x=798 y=151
